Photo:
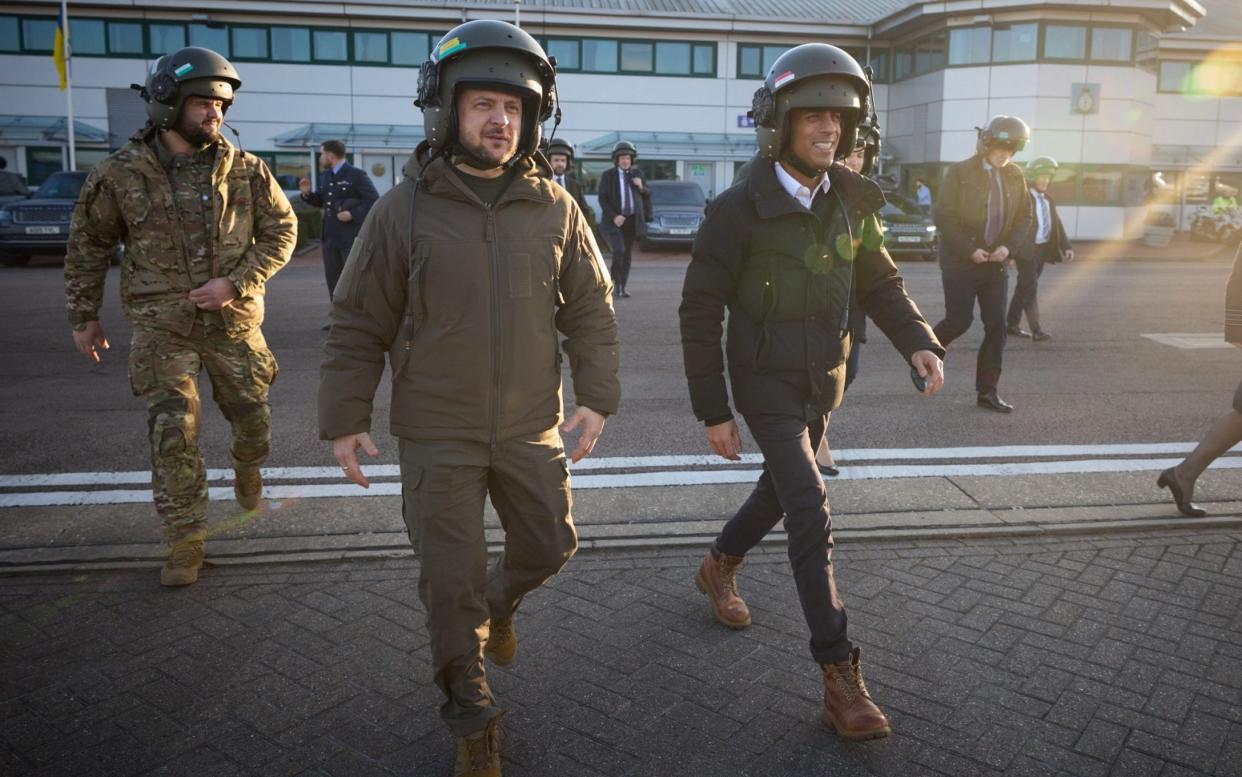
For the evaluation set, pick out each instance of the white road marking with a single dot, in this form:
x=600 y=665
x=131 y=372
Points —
x=1190 y=341
x=638 y=480
x=379 y=471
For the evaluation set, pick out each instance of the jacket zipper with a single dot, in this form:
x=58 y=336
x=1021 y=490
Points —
x=494 y=260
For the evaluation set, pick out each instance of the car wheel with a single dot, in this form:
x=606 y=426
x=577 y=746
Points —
x=15 y=260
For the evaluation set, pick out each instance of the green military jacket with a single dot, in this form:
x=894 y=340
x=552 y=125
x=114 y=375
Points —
x=467 y=302
x=128 y=197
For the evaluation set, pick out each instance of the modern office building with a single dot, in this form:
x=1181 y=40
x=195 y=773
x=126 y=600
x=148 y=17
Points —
x=1117 y=91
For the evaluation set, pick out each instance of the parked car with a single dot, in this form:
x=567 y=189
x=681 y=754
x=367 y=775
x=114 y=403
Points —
x=908 y=231
x=677 y=211
x=40 y=225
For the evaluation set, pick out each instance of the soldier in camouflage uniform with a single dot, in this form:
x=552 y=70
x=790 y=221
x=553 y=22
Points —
x=205 y=225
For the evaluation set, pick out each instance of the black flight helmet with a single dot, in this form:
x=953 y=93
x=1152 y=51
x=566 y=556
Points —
x=1004 y=130
x=188 y=71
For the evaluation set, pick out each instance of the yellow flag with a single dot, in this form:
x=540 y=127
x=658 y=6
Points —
x=60 y=49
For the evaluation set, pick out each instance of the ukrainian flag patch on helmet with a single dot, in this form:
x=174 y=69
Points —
x=448 y=47
x=183 y=70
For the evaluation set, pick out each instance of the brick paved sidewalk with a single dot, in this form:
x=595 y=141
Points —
x=1119 y=654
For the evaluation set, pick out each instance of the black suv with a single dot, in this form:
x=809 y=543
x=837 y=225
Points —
x=40 y=225
x=908 y=230
x=676 y=213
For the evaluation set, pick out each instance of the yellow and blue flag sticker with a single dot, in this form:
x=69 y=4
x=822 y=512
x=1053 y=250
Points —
x=449 y=47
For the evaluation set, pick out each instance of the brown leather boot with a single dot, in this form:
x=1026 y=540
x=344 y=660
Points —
x=184 y=561
x=478 y=754
x=501 y=644
x=717 y=577
x=848 y=708
x=248 y=487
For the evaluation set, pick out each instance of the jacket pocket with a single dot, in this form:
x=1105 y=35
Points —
x=242 y=315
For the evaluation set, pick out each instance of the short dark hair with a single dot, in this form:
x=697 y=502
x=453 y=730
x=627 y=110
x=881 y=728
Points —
x=334 y=146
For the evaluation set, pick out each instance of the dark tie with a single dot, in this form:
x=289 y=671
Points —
x=627 y=207
x=992 y=231
x=560 y=180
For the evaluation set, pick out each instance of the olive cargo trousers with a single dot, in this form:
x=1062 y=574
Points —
x=443 y=486
x=163 y=371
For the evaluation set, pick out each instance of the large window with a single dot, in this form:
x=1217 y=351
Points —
x=1217 y=79
x=755 y=59
x=291 y=44
x=1065 y=41
x=929 y=54
x=410 y=48
x=636 y=57
x=568 y=58
x=250 y=42
x=599 y=56
x=166 y=38
x=125 y=38
x=1015 y=43
x=371 y=47
x=970 y=46
x=903 y=63
x=87 y=36
x=10 y=38
x=1112 y=44
x=330 y=46
x=211 y=36
x=38 y=34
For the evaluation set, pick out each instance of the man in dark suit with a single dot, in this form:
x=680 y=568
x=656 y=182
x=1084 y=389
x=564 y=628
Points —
x=561 y=155
x=1047 y=243
x=983 y=210
x=625 y=203
x=346 y=194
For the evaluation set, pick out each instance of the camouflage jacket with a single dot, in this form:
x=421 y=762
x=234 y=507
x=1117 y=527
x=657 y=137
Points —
x=128 y=197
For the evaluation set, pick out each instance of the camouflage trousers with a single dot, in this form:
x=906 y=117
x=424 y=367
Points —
x=163 y=371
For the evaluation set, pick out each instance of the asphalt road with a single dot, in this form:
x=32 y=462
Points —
x=1098 y=381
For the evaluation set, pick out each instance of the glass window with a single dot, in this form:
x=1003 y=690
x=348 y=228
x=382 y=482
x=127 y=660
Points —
x=1065 y=41
x=929 y=54
x=1147 y=41
x=42 y=161
x=672 y=58
x=1197 y=187
x=970 y=46
x=38 y=34
x=1111 y=44
x=657 y=169
x=636 y=57
x=86 y=158
x=903 y=63
x=599 y=56
x=10 y=40
x=770 y=55
x=566 y=53
x=249 y=42
x=704 y=60
x=215 y=38
x=1174 y=76
x=750 y=62
x=166 y=38
x=1015 y=43
x=410 y=48
x=330 y=45
x=879 y=66
x=291 y=44
x=288 y=168
x=1101 y=187
x=87 y=36
x=125 y=38
x=1064 y=186
x=371 y=47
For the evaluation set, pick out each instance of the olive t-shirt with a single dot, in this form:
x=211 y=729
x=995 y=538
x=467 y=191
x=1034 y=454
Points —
x=486 y=189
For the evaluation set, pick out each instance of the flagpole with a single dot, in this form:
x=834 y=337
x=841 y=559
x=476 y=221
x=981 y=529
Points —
x=73 y=153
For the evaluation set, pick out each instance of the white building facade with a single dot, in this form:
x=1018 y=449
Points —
x=1116 y=91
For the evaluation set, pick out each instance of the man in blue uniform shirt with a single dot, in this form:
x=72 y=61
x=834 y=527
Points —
x=346 y=194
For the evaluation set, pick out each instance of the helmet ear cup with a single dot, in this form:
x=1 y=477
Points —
x=763 y=107
x=163 y=87
x=428 y=85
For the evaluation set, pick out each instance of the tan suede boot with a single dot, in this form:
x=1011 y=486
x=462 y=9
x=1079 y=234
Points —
x=184 y=560
x=717 y=577
x=248 y=487
x=478 y=755
x=501 y=644
x=848 y=708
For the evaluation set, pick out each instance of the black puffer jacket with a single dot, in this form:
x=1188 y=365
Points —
x=788 y=278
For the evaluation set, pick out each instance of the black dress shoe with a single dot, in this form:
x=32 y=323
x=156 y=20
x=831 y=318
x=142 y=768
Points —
x=1169 y=480
x=1017 y=331
x=991 y=401
x=1040 y=336
x=831 y=472
x=325 y=327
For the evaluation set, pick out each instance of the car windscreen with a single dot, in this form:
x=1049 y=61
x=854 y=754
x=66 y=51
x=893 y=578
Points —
x=677 y=195
x=61 y=187
x=900 y=206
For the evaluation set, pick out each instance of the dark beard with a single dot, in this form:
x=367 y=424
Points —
x=482 y=154
x=195 y=134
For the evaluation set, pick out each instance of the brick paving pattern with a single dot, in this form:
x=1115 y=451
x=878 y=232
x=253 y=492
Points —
x=1108 y=655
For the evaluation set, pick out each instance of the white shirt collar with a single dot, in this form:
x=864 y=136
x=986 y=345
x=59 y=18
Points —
x=796 y=190
x=337 y=167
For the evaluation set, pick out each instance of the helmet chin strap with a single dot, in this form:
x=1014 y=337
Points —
x=810 y=171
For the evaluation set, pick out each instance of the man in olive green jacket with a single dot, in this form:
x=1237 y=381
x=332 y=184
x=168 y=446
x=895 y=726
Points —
x=467 y=301
x=205 y=225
